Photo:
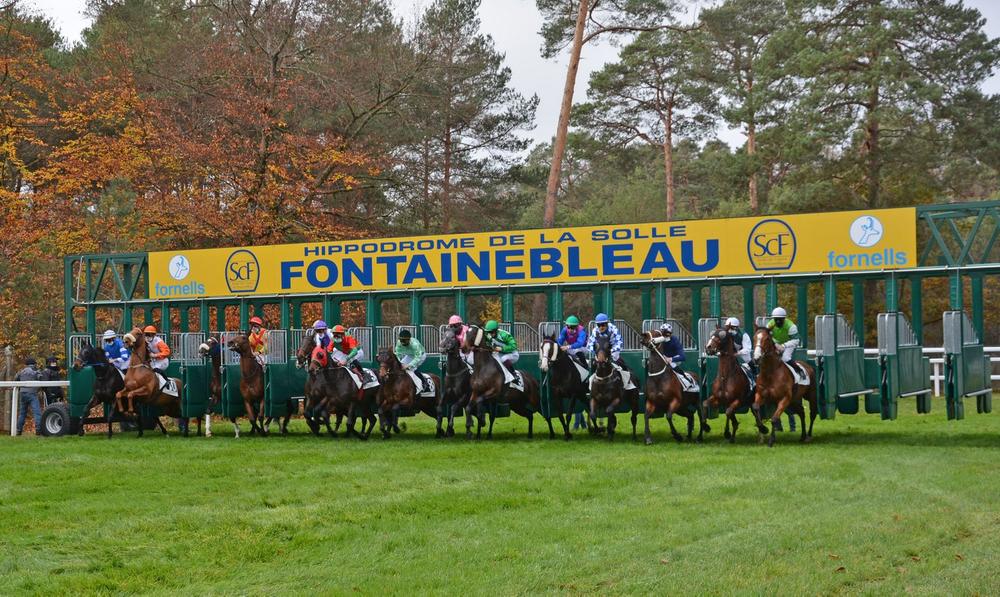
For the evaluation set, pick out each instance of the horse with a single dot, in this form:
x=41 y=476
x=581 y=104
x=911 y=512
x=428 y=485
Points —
x=318 y=392
x=340 y=395
x=251 y=385
x=563 y=379
x=142 y=384
x=398 y=391
x=776 y=385
x=488 y=388
x=457 y=387
x=731 y=388
x=108 y=381
x=607 y=389
x=664 y=394
x=210 y=348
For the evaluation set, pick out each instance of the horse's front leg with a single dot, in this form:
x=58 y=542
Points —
x=776 y=418
x=111 y=416
x=671 y=409
x=592 y=415
x=469 y=409
x=650 y=411
x=236 y=426
x=758 y=401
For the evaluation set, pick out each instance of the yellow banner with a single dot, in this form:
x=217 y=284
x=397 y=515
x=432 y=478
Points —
x=839 y=241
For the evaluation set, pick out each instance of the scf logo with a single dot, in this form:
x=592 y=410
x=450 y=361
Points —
x=771 y=245
x=242 y=271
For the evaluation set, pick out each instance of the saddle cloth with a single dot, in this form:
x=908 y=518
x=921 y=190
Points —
x=746 y=371
x=802 y=380
x=514 y=380
x=425 y=390
x=626 y=378
x=688 y=384
x=370 y=380
x=168 y=385
x=583 y=371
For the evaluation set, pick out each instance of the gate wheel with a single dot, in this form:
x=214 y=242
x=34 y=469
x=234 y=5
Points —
x=55 y=420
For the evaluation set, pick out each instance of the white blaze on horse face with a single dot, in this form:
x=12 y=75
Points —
x=757 y=352
x=479 y=337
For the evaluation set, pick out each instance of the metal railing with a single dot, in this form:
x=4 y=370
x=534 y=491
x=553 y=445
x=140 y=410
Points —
x=185 y=347
x=894 y=330
x=706 y=328
x=15 y=394
x=526 y=336
x=833 y=332
x=681 y=332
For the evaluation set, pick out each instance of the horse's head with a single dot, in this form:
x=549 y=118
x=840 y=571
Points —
x=721 y=342
x=387 y=362
x=548 y=353
x=240 y=344
x=131 y=339
x=449 y=341
x=89 y=356
x=302 y=354
x=602 y=353
x=318 y=359
x=647 y=338
x=475 y=338
x=763 y=344
x=209 y=347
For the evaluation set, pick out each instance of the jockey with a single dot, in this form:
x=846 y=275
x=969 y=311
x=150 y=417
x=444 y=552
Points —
x=258 y=340
x=741 y=340
x=116 y=351
x=573 y=339
x=459 y=328
x=670 y=347
x=158 y=352
x=322 y=337
x=411 y=354
x=345 y=350
x=786 y=337
x=503 y=343
x=603 y=328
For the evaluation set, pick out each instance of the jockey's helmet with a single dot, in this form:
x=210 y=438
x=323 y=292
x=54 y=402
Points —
x=150 y=330
x=256 y=321
x=667 y=328
x=779 y=312
x=319 y=324
x=339 y=329
x=405 y=334
x=601 y=318
x=109 y=335
x=491 y=326
x=455 y=320
x=572 y=320
x=733 y=322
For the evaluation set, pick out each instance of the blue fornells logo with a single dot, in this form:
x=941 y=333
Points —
x=771 y=245
x=866 y=231
x=242 y=271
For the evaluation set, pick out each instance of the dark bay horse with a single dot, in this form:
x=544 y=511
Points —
x=607 y=389
x=489 y=389
x=319 y=392
x=457 y=388
x=398 y=391
x=776 y=386
x=564 y=381
x=143 y=385
x=251 y=385
x=731 y=388
x=665 y=395
x=107 y=381
x=330 y=388
x=210 y=348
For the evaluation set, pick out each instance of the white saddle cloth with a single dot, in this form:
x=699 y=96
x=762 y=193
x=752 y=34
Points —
x=430 y=391
x=370 y=380
x=802 y=380
x=514 y=380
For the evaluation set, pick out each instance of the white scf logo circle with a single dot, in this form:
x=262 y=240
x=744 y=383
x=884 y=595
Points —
x=866 y=231
x=179 y=267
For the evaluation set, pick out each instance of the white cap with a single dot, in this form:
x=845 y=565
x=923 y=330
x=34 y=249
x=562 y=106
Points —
x=667 y=327
x=110 y=335
x=778 y=312
x=733 y=322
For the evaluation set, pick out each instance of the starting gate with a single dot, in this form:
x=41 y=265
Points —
x=967 y=368
x=190 y=366
x=904 y=371
x=840 y=366
x=708 y=365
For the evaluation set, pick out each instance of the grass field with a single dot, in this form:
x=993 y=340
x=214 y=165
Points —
x=911 y=506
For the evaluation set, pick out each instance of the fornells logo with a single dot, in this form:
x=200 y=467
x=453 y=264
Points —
x=771 y=245
x=242 y=271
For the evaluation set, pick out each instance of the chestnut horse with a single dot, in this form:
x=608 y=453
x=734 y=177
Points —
x=664 y=394
x=607 y=388
x=398 y=391
x=107 y=380
x=564 y=381
x=319 y=393
x=731 y=388
x=143 y=385
x=457 y=387
x=776 y=386
x=251 y=385
x=489 y=389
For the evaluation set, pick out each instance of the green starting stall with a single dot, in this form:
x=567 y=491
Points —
x=967 y=368
x=903 y=370
x=840 y=368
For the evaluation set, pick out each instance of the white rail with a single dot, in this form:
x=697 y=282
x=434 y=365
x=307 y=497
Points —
x=15 y=406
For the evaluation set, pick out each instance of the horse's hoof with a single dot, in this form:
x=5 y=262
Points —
x=468 y=435
x=727 y=434
x=698 y=440
x=806 y=440
x=707 y=428
x=649 y=441
x=386 y=435
x=450 y=432
x=569 y=436
x=679 y=438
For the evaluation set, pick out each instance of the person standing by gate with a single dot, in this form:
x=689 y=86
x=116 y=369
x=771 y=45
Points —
x=258 y=340
x=52 y=373
x=29 y=396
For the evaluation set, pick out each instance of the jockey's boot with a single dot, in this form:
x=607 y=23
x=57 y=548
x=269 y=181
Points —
x=798 y=368
x=621 y=363
x=582 y=359
x=509 y=366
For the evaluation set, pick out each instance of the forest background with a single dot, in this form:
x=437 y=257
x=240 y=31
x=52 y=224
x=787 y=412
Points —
x=177 y=124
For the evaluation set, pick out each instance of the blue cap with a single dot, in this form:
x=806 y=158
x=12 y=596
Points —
x=601 y=318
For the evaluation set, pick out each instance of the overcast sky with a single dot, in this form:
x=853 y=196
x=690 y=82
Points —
x=514 y=25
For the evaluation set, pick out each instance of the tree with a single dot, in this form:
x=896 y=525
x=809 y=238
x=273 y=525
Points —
x=878 y=70
x=576 y=23
x=649 y=94
x=738 y=59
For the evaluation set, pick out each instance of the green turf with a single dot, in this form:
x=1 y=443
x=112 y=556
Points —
x=870 y=507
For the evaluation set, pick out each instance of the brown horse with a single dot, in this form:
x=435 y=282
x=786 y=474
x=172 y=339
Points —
x=143 y=385
x=251 y=385
x=564 y=381
x=488 y=388
x=776 y=386
x=607 y=389
x=665 y=395
x=319 y=394
x=731 y=388
x=399 y=392
x=457 y=387
x=210 y=348
x=107 y=380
